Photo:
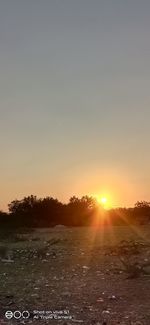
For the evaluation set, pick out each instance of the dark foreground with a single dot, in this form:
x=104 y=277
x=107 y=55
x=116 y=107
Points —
x=76 y=276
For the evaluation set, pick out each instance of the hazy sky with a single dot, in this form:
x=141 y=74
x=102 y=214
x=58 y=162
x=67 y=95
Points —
x=75 y=99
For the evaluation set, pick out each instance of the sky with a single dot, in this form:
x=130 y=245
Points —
x=75 y=99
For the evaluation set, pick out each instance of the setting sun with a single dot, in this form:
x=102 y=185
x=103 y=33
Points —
x=103 y=200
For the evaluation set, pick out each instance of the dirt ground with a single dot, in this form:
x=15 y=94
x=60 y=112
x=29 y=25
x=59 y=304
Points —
x=73 y=276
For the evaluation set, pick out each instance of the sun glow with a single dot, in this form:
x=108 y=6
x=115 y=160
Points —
x=103 y=201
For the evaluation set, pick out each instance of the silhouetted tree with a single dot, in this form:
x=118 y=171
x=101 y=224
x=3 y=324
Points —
x=142 y=204
x=80 y=211
x=4 y=219
x=142 y=211
x=47 y=212
x=19 y=207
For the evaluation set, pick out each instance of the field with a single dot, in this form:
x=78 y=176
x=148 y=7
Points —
x=76 y=275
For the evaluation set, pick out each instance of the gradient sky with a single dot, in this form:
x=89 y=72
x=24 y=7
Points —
x=75 y=99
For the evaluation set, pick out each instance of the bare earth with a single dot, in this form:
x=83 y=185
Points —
x=73 y=272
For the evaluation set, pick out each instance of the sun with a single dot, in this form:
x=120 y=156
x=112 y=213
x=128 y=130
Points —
x=103 y=200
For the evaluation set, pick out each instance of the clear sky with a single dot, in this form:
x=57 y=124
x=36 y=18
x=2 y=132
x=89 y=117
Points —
x=75 y=99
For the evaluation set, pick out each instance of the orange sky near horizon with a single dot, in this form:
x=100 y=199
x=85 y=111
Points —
x=117 y=188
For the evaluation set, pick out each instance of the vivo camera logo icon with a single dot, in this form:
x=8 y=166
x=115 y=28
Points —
x=17 y=314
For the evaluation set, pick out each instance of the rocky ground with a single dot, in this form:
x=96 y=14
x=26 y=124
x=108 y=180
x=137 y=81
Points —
x=76 y=276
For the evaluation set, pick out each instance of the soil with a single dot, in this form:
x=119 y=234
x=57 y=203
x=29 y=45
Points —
x=74 y=276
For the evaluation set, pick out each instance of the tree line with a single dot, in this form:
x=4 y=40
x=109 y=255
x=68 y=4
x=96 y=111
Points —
x=33 y=212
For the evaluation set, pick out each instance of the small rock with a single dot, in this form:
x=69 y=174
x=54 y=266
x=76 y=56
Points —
x=7 y=261
x=100 y=300
x=60 y=227
x=112 y=297
x=85 y=267
x=34 y=295
x=105 y=312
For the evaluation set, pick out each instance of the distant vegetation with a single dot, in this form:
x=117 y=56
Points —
x=32 y=212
